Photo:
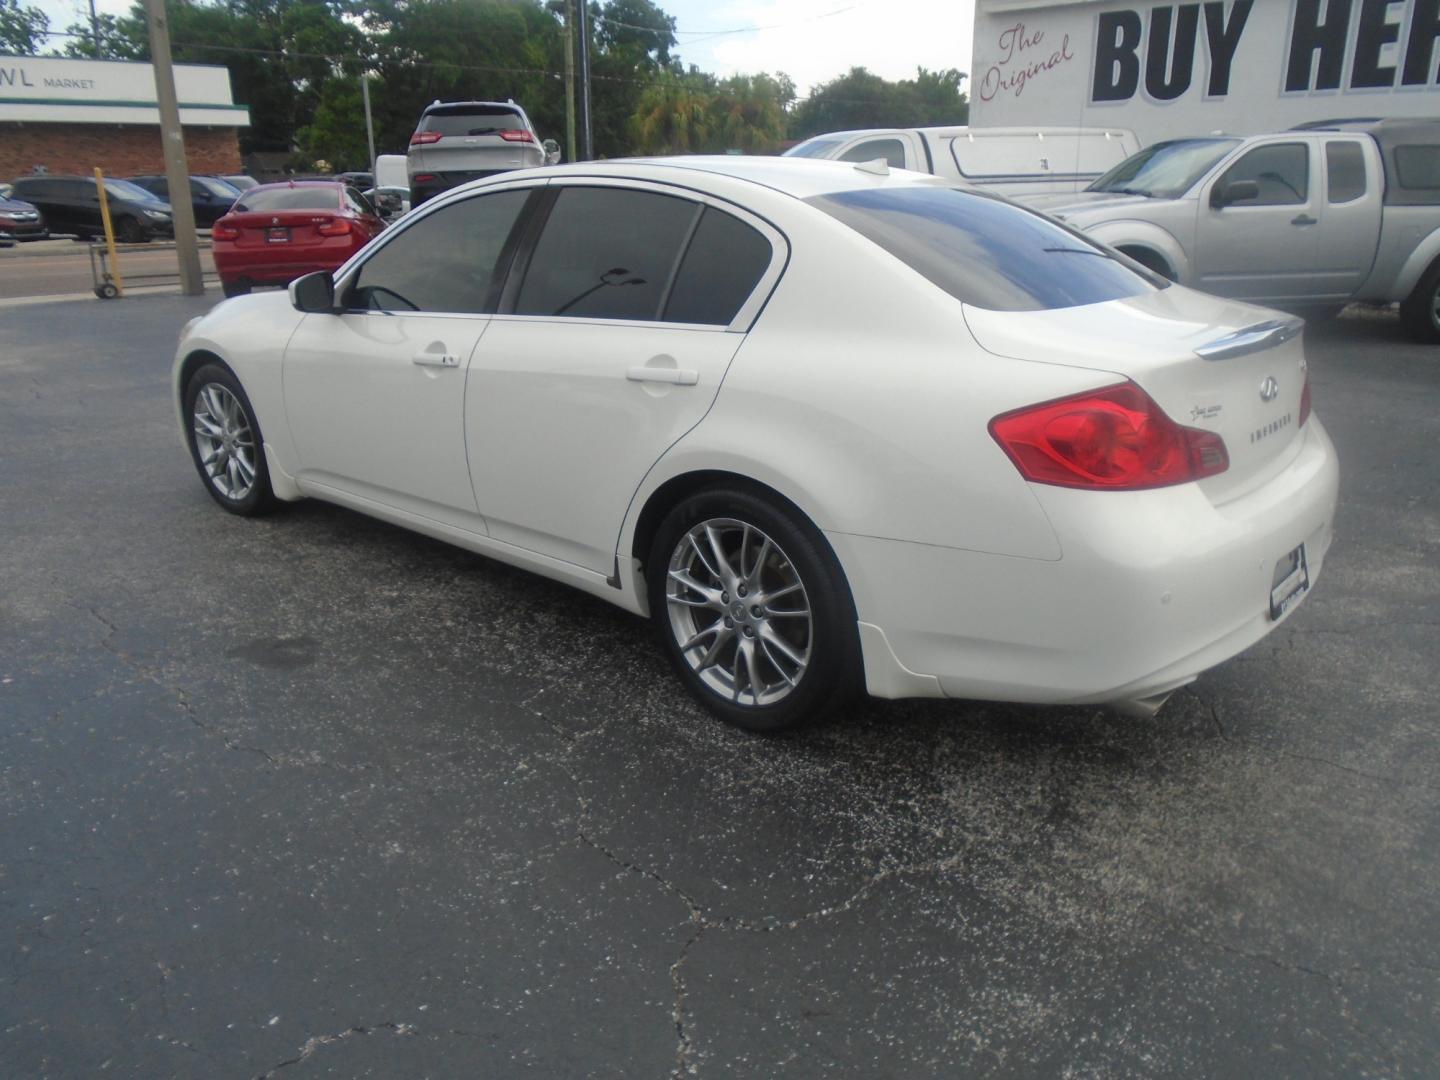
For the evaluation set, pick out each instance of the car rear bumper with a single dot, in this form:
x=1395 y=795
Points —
x=1153 y=588
x=265 y=266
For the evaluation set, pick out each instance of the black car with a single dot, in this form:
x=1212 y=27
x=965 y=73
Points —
x=70 y=205
x=209 y=195
x=21 y=221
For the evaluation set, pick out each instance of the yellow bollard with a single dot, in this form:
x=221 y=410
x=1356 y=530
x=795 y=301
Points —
x=109 y=232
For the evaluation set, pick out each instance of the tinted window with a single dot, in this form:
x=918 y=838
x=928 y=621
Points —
x=1418 y=167
x=892 y=150
x=471 y=120
x=446 y=261
x=1344 y=171
x=124 y=189
x=606 y=253
x=358 y=202
x=34 y=189
x=218 y=188
x=722 y=265
x=1282 y=172
x=288 y=198
x=984 y=251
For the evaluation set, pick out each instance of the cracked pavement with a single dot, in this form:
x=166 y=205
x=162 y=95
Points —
x=313 y=796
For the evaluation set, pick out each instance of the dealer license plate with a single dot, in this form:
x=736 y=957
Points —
x=1290 y=582
x=277 y=236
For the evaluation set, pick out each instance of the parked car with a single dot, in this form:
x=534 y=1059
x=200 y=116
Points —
x=71 y=205
x=391 y=170
x=1045 y=475
x=21 y=221
x=210 y=197
x=1011 y=161
x=358 y=180
x=459 y=141
x=1303 y=219
x=276 y=232
x=391 y=202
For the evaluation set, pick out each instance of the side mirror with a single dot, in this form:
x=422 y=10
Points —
x=552 y=151
x=314 y=293
x=1223 y=195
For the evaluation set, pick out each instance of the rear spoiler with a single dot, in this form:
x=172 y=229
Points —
x=1251 y=339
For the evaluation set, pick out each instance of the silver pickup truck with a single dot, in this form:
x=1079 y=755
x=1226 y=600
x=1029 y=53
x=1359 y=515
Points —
x=1311 y=218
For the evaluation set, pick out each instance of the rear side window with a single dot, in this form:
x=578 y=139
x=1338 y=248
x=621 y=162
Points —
x=472 y=120
x=892 y=150
x=288 y=198
x=982 y=250
x=1418 y=167
x=1281 y=171
x=1344 y=171
x=446 y=261
x=605 y=253
x=723 y=264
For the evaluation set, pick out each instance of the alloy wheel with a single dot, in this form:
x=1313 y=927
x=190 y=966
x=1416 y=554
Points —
x=739 y=612
x=225 y=441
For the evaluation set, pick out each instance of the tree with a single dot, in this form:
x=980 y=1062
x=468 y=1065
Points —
x=117 y=39
x=861 y=99
x=672 y=115
x=22 y=29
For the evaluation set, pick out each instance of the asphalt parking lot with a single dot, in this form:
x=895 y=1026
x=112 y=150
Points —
x=310 y=795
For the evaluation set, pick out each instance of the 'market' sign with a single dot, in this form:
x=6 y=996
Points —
x=1176 y=69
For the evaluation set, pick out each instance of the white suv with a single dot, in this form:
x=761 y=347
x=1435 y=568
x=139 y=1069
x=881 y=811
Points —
x=457 y=141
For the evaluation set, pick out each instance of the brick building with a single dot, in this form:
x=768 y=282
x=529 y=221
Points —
x=68 y=116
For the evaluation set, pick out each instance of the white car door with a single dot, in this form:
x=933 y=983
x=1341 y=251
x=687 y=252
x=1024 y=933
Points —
x=375 y=394
x=1261 y=248
x=621 y=316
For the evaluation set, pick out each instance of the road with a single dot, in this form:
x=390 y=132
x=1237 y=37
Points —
x=62 y=267
x=313 y=796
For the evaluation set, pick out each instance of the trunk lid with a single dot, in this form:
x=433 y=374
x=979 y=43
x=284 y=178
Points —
x=261 y=228
x=1218 y=365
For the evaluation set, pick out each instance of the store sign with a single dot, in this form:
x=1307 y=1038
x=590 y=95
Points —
x=55 y=79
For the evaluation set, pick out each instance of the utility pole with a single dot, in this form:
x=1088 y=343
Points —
x=587 y=138
x=570 y=80
x=172 y=139
x=369 y=123
x=95 y=30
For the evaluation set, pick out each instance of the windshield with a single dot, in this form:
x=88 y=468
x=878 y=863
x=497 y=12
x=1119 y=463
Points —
x=124 y=189
x=984 y=250
x=1166 y=170
x=217 y=187
x=319 y=197
x=817 y=147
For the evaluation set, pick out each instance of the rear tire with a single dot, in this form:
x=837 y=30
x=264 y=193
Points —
x=1420 y=311
x=238 y=287
x=751 y=606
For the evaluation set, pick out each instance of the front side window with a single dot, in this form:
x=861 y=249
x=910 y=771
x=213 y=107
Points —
x=723 y=264
x=892 y=150
x=1281 y=171
x=446 y=261
x=983 y=250
x=606 y=253
x=1344 y=171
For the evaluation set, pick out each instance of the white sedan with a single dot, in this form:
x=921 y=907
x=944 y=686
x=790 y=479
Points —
x=828 y=426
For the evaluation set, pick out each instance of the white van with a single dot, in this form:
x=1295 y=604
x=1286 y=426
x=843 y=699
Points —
x=1012 y=161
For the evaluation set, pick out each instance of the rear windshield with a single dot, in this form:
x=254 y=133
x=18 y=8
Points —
x=1418 y=167
x=288 y=198
x=983 y=250
x=816 y=148
x=471 y=120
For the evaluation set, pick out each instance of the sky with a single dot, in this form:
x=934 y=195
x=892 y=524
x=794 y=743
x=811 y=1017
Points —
x=810 y=40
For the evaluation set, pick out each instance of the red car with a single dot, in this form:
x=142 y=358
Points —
x=276 y=233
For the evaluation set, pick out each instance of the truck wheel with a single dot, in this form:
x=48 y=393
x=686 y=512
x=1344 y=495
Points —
x=1420 y=311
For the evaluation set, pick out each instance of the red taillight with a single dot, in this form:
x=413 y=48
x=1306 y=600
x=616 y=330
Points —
x=224 y=232
x=517 y=136
x=423 y=178
x=424 y=138
x=1305 y=402
x=1116 y=438
x=335 y=227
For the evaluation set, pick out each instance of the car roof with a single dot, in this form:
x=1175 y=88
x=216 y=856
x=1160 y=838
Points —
x=797 y=177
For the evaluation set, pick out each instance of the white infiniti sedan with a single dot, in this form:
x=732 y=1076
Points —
x=829 y=427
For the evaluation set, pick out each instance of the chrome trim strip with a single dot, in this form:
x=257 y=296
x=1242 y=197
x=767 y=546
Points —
x=1265 y=335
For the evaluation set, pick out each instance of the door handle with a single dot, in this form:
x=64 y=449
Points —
x=436 y=359
x=1303 y=219
x=673 y=376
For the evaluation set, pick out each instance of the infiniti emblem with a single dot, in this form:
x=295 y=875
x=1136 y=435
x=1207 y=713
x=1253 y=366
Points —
x=1269 y=389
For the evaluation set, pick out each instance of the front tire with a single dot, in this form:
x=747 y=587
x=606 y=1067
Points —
x=753 y=610
x=225 y=442
x=1420 y=312
x=130 y=231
